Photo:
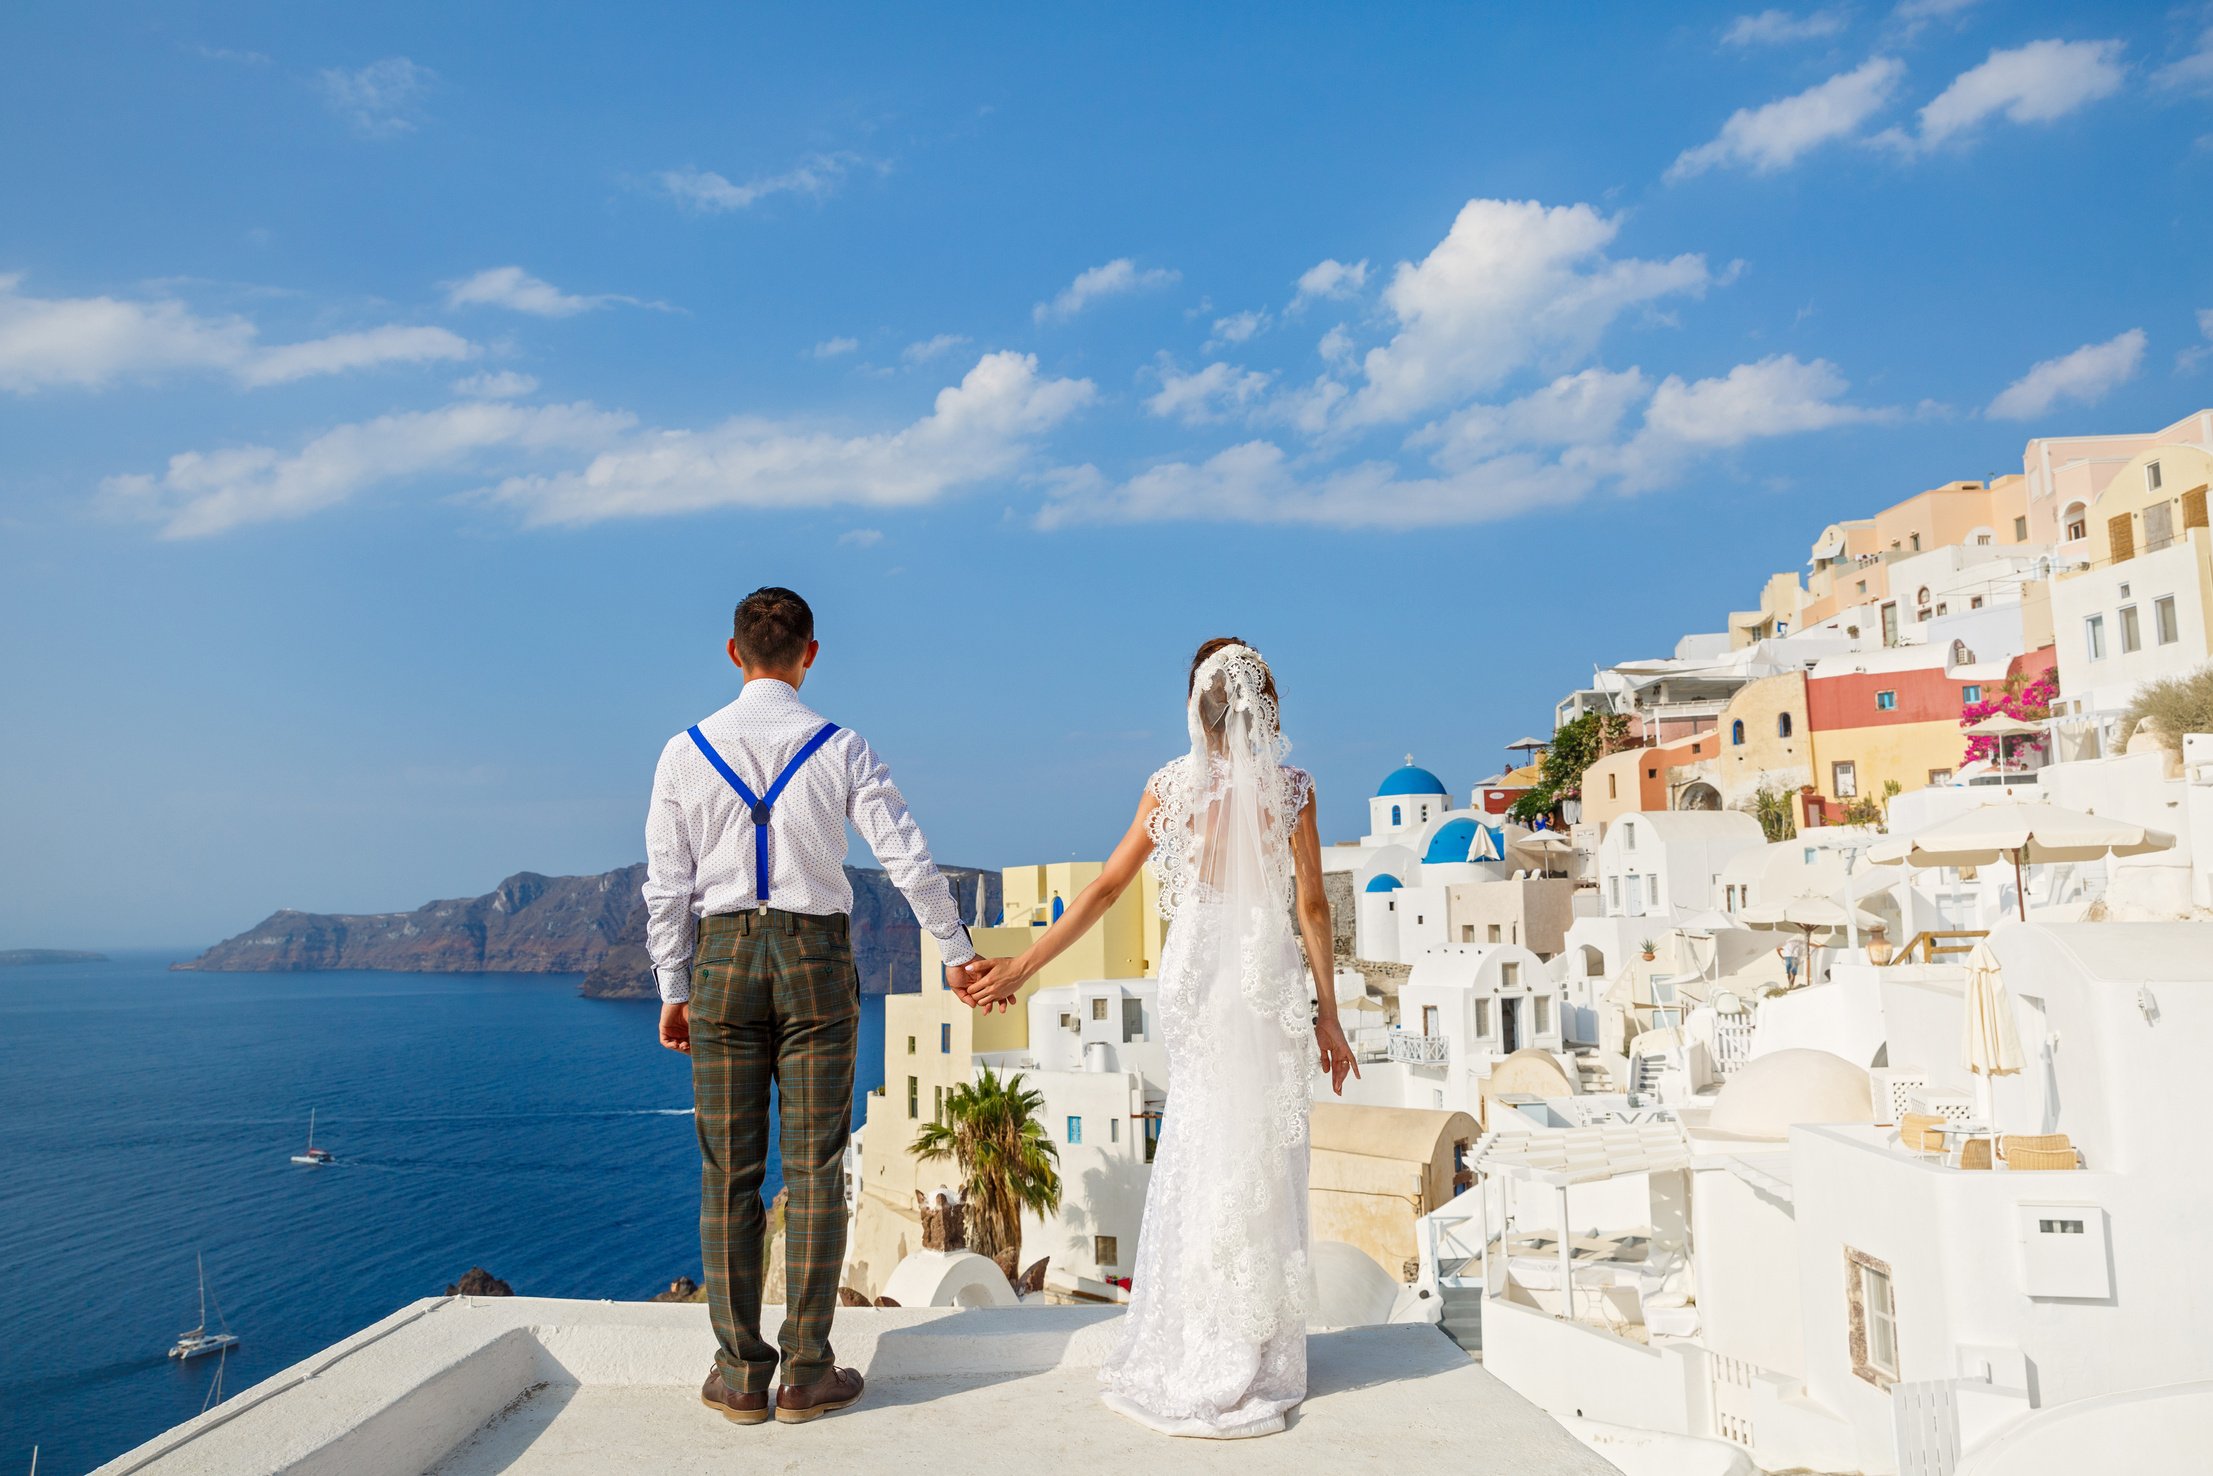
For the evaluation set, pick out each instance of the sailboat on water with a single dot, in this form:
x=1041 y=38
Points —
x=199 y=1340
x=311 y=1153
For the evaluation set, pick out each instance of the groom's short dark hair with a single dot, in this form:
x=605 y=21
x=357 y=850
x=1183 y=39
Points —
x=772 y=628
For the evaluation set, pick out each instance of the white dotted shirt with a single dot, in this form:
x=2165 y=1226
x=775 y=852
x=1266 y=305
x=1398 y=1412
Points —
x=699 y=834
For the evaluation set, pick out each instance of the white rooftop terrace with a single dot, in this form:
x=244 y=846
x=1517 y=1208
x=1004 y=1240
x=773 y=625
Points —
x=461 y=1386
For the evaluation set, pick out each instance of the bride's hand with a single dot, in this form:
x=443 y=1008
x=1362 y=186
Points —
x=1337 y=1061
x=994 y=982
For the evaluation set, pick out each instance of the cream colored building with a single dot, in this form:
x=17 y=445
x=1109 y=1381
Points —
x=1374 y=1171
x=2143 y=608
x=932 y=1040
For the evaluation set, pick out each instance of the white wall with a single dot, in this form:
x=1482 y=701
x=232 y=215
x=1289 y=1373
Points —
x=2107 y=684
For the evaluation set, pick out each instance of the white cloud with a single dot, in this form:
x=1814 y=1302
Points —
x=705 y=191
x=517 y=290
x=979 y=429
x=2036 y=83
x=340 y=352
x=1914 y=14
x=2083 y=377
x=1775 y=135
x=1236 y=328
x=91 y=342
x=381 y=99
x=206 y=492
x=1513 y=285
x=1780 y=395
x=923 y=351
x=506 y=384
x=861 y=538
x=1114 y=279
x=1780 y=27
x=2192 y=73
x=1550 y=448
x=1212 y=393
x=1330 y=277
x=1584 y=409
x=832 y=348
x=2189 y=358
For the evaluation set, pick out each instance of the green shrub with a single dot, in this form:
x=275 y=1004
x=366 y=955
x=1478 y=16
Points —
x=2175 y=706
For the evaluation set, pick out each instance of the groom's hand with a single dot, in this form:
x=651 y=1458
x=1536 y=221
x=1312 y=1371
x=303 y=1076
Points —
x=676 y=1027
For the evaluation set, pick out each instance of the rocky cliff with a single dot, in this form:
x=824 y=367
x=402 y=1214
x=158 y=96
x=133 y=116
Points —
x=532 y=924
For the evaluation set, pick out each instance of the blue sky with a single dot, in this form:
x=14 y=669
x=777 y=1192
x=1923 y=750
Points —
x=394 y=400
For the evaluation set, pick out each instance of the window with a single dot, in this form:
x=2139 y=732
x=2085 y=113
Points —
x=2163 y=621
x=1939 y=777
x=937 y=1104
x=1133 y=1018
x=1613 y=892
x=914 y=1098
x=910 y=1045
x=1429 y=1020
x=1782 y=725
x=1509 y=975
x=1105 y=1251
x=1974 y=602
x=2020 y=530
x=1613 y=786
x=1890 y=624
x=2151 y=476
x=1075 y=1129
x=1152 y=1135
x=2093 y=637
x=1782 y=627
x=1544 y=1014
x=1863 y=586
x=945 y=1039
x=1873 y=1319
x=1972 y=692
x=1915 y=539
x=1736 y=733
x=1482 y=1018
x=2078 y=523
x=1494 y=934
x=1394 y=817
x=1098 y=1008
x=2132 y=638
x=1628 y=836
x=1114 y=1130
x=1844 y=779
x=1886 y=701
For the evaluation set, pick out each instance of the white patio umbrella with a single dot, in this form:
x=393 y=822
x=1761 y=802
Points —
x=1809 y=912
x=1991 y=1046
x=2026 y=835
x=2001 y=726
x=1546 y=843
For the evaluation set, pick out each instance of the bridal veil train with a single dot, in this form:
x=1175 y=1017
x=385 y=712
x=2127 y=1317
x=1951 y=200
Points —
x=1214 y=1343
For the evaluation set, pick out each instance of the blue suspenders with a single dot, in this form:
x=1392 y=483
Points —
x=761 y=805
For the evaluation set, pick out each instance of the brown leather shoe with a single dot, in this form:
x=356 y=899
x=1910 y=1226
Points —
x=738 y=1409
x=834 y=1390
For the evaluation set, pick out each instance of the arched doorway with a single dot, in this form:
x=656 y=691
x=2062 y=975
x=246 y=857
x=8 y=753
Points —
x=1698 y=795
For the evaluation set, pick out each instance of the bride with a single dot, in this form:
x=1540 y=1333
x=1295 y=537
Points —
x=1215 y=1341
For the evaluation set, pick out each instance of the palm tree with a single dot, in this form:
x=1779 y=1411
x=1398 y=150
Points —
x=1008 y=1165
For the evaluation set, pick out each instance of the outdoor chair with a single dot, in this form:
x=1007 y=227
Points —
x=2046 y=1159
x=1919 y=1132
x=2015 y=1142
x=1974 y=1153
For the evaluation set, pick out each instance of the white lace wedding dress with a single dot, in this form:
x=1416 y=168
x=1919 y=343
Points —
x=1214 y=1343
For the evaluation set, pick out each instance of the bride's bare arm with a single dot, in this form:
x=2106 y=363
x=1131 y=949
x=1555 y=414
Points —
x=1005 y=976
x=1321 y=949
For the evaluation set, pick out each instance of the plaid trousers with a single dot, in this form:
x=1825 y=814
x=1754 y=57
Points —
x=775 y=998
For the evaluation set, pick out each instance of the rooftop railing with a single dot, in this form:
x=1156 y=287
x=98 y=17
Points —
x=1419 y=1050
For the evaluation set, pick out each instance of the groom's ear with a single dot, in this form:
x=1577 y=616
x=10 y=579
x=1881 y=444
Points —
x=735 y=659
x=806 y=662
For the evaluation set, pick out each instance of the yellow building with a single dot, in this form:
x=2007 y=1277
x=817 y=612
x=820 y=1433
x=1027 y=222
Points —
x=932 y=1040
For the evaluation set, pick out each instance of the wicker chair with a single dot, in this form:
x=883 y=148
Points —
x=2020 y=1158
x=1921 y=1132
x=1974 y=1153
x=2011 y=1142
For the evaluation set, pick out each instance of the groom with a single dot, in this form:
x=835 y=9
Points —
x=746 y=902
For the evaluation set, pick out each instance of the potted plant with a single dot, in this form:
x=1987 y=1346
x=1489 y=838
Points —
x=1649 y=949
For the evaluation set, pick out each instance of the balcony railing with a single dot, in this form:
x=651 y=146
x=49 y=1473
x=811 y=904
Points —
x=1418 y=1050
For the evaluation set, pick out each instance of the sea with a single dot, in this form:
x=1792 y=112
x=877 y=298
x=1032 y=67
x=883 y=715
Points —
x=148 y=1117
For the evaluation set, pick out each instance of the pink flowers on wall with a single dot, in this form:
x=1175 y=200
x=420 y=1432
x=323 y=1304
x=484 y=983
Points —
x=2030 y=701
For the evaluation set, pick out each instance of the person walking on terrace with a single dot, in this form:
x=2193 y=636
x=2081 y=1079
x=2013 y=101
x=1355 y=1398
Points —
x=1214 y=1343
x=746 y=921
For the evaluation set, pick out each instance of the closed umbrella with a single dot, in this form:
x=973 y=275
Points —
x=2026 y=835
x=1991 y=1045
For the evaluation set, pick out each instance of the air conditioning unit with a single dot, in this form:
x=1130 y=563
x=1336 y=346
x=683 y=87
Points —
x=1945 y=1102
x=1893 y=1086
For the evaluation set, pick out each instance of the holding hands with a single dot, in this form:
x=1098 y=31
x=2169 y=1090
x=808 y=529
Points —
x=987 y=983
